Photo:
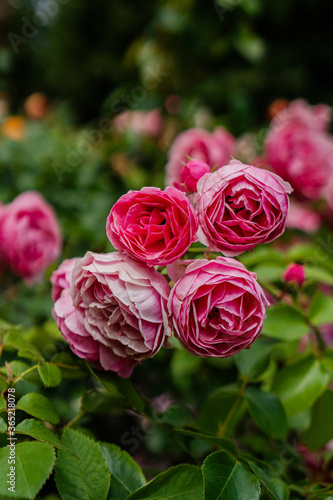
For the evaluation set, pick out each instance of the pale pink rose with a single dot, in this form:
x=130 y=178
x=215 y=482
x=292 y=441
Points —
x=294 y=273
x=115 y=315
x=64 y=313
x=302 y=155
x=303 y=218
x=30 y=238
x=153 y=226
x=217 y=308
x=214 y=148
x=240 y=206
x=141 y=122
x=299 y=111
x=191 y=172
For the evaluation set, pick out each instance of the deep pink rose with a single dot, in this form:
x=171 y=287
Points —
x=303 y=218
x=217 y=308
x=122 y=305
x=30 y=238
x=240 y=206
x=64 y=313
x=214 y=148
x=294 y=273
x=191 y=172
x=153 y=226
x=301 y=154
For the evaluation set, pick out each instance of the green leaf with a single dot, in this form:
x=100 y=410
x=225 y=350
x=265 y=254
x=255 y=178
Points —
x=319 y=274
x=36 y=429
x=182 y=481
x=126 y=474
x=225 y=444
x=285 y=323
x=321 y=429
x=18 y=367
x=300 y=384
x=84 y=476
x=33 y=464
x=267 y=412
x=261 y=254
x=269 y=271
x=225 y=477
x=129 y=392
x=217 y=406
x=106 y=380
x=252 y=362
x=3 y=404
x=38 y=406
x=3 y=426
x=277 y=488
x=50 y=374
x=17 y=341
x=183 y=366
x=321 y=309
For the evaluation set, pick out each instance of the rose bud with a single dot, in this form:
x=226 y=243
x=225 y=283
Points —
x=214 y=148
x=294 y=273
x=192 y=172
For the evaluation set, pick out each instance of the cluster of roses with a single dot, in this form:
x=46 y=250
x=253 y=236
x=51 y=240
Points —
x=30 y=237
x=117 y=309
x=298 y=147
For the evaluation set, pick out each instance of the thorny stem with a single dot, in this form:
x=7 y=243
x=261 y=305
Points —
x=19 y=377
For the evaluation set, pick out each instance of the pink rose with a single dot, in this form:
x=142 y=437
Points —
x=299 y=111
x=294 y=273
x=191 y=172
x=153 y=226
x=214 y=148
x=64 y=313
x=30 y=238
x=217 y=308
x=303 y=218
x=240 y=206
x=301 y=153
x=141 y=122
x=115 y=315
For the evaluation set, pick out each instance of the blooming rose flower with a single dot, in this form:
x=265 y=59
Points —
x=214 y=148
x=303 y=218
x=190 y=174
x=217 y=308
x=240 y=206
x=30 y=238
x=64 y=313
x=116 y=312
x=299 y=148
x=153 y=226
x=141 y=122
x=299 y=111
x=294 y=273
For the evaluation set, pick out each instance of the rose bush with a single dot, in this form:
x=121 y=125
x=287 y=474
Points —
x=30 y=238
x=217 y=308
x=240 y=206
x=115 y=312
x=214 y=148
x=153 y=226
